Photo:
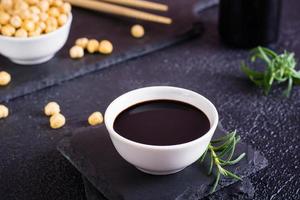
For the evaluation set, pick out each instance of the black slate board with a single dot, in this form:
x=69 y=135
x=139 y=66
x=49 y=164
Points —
x=91 y=192
x=240 y=190
x=90 y=150
x=27 y=79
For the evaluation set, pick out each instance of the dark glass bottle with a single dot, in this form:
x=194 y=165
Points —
x=249 y=23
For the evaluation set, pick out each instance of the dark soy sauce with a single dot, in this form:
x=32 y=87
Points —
x=162 y=122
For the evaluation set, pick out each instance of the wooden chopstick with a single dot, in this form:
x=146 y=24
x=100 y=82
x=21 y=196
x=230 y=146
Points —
x=141 y=4
x=119 y=10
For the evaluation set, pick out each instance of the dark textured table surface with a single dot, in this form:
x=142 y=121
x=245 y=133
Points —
x=32 y=168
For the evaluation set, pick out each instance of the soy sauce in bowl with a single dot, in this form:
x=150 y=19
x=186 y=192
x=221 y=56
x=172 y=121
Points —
x=162 y=122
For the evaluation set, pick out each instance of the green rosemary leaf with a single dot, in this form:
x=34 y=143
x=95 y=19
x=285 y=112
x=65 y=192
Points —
x=203 y=156
x=290 y=56
x=232 y=150
x=269 y=52
x=216 y=182
x=238 y=159
x=279 y=75
x=225 y=151
x=229 y=151
x=223 y=138
x=295 y=74
x=278 y=69
x=225 y=144
x=287 y=92
x=254 y=54
x=233 y=162
x=255 y=77
x=227 y=147
x=232 y=175
x=211 y=164
x=251 y=73
x=263 y=55
x=268 y=81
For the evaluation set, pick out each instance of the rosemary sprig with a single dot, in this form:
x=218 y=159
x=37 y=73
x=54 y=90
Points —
x=221 y=152
x=279 y=68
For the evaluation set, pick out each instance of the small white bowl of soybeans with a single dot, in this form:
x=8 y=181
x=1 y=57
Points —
x=32 y=31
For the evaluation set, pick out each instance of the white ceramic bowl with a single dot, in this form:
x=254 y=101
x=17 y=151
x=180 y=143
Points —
x=35 y=50
x=160 y=160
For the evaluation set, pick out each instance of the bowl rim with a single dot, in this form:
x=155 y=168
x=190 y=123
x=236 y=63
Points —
x=213 y=127
x=70 y=18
